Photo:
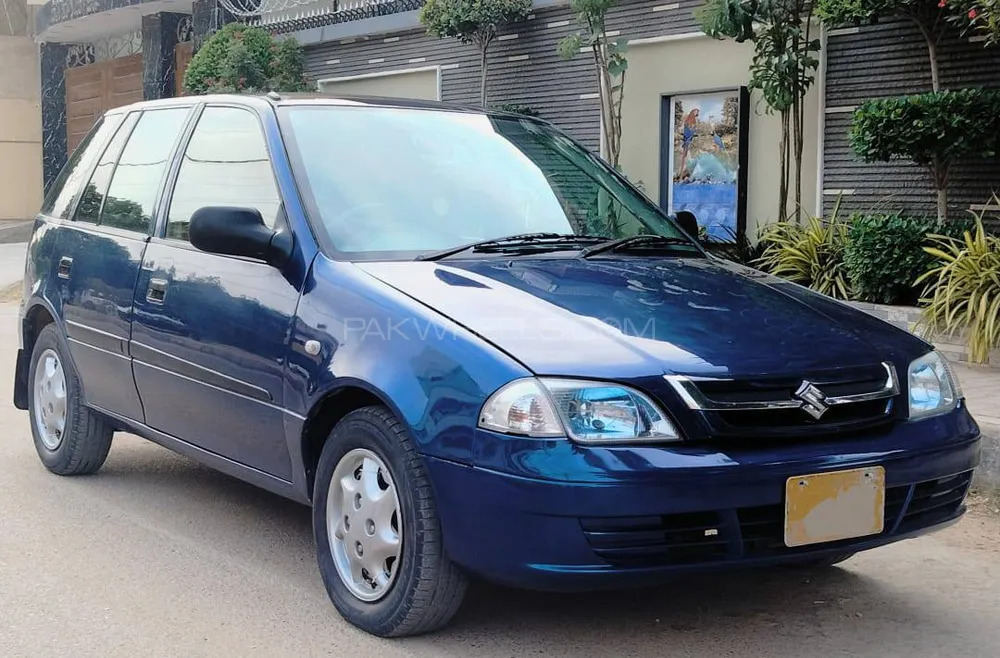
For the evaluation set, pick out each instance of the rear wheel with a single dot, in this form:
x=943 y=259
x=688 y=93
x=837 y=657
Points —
x=70 y=439
x=378 y=536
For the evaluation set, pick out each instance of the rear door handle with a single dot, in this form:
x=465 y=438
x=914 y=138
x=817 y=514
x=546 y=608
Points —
x=157 y=291
x=65 y=265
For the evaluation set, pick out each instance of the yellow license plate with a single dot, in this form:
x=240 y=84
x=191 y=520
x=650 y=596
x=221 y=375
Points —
x=832 y=506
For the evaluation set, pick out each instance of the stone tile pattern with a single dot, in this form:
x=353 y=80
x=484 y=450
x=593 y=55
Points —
x=53 y=87
x=159 y=38
x=982 y=393
x=908 y=318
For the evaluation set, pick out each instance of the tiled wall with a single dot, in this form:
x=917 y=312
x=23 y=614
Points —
x=909 y=319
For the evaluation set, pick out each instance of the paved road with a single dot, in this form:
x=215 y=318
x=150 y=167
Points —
x=156 y=556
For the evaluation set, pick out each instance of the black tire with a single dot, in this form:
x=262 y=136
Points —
x=428 y=589
x=84 y=444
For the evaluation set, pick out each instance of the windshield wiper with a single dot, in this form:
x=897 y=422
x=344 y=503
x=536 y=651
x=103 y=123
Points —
x=521 y=239
x=637 y=241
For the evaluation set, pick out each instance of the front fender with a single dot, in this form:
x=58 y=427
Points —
x=434 y=374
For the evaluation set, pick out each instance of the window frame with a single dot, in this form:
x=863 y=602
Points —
x=159 y=233
x=161 y=186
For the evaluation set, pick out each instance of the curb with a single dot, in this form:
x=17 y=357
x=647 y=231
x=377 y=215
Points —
x=987 y=475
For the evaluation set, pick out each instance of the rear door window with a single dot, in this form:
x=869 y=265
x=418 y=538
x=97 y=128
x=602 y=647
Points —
x=137 y=175
x=89 y=208
x=60 y=200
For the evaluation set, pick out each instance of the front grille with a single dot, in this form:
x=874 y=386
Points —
x=849 y=399
x=936 y=500
x=674 y=538
x=837 y=418
x=751 y=532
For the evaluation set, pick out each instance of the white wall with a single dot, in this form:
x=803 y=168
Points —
x=20 y=129
x=421 y=84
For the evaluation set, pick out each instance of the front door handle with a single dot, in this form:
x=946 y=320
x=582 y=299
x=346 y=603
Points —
x=65 y=265
x=157 y=291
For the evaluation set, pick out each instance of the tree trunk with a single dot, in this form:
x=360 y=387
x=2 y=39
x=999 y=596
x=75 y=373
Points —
x=939 y=173
x=932 y=53
x=931 y=42
x=783 y=167
x=942 y=204
x=482 y=79
x=798 y=146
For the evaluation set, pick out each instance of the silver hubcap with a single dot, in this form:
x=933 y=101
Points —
x=50 y=399
x=364 y=524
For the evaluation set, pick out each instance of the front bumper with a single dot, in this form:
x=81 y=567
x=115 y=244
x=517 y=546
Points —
x=637 y=516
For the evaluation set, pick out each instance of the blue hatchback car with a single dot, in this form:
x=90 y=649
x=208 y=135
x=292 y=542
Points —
x=472 y=347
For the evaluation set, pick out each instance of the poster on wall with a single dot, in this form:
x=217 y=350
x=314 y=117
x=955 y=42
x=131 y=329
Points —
x=703 y=159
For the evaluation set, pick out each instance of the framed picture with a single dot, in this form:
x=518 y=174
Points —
x=703 y=159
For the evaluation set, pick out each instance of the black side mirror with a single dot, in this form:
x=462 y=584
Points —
x=235 y=231
x=688 y=222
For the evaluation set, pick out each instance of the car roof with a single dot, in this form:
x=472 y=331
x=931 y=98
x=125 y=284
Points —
x=312 y=98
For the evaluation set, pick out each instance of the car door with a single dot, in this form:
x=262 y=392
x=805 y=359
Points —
x=99 y=253
x=210 y=331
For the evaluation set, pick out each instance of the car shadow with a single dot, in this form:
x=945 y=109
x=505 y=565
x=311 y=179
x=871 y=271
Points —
x=798 y=610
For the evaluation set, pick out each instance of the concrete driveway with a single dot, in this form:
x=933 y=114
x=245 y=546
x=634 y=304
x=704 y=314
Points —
x=157 y=556
x=12 y=262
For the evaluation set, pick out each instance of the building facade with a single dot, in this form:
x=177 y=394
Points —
x=96 y=54
x=20 y=115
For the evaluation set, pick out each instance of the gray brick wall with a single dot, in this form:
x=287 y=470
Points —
x=890 y=59
x=524 y=67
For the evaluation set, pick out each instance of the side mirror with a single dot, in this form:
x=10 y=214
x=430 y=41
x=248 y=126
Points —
x=235 y=231
x=688 y=222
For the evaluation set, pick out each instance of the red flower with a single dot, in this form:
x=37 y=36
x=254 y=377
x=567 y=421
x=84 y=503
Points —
x=942 y=4
x=972 y=14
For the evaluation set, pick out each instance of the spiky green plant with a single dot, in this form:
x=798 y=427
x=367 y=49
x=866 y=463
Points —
x=810 y=254
x=963 y=289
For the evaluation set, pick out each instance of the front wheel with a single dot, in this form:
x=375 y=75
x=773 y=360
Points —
x=378 y=536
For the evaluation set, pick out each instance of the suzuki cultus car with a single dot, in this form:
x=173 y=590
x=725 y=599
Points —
x=473 y=348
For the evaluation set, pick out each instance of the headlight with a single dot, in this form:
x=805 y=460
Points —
x=934 y=388
x=588 y=412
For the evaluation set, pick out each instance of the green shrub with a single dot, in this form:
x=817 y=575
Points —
x=240 y=58
x=473 y=21
x=932 y=129
x=964 y=290
x=885 y=255
x=810 y=254
x=517 y=108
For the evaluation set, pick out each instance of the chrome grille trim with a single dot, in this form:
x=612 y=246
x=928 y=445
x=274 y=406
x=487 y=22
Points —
x=687 y=389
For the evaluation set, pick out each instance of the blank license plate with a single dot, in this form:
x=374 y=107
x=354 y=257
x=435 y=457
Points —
x=832 y=506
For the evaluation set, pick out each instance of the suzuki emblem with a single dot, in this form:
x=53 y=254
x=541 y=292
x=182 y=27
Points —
x=813 y=400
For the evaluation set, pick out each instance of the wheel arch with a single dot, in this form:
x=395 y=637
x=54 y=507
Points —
x=36 y=317
x=329 y=409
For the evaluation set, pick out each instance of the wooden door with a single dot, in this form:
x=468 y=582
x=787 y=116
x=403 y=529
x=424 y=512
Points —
x=94 y=89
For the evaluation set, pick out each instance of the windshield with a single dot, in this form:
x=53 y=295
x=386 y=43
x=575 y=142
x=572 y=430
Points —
x=391 y=182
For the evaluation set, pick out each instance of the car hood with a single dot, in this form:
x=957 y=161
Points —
x=633 y=317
